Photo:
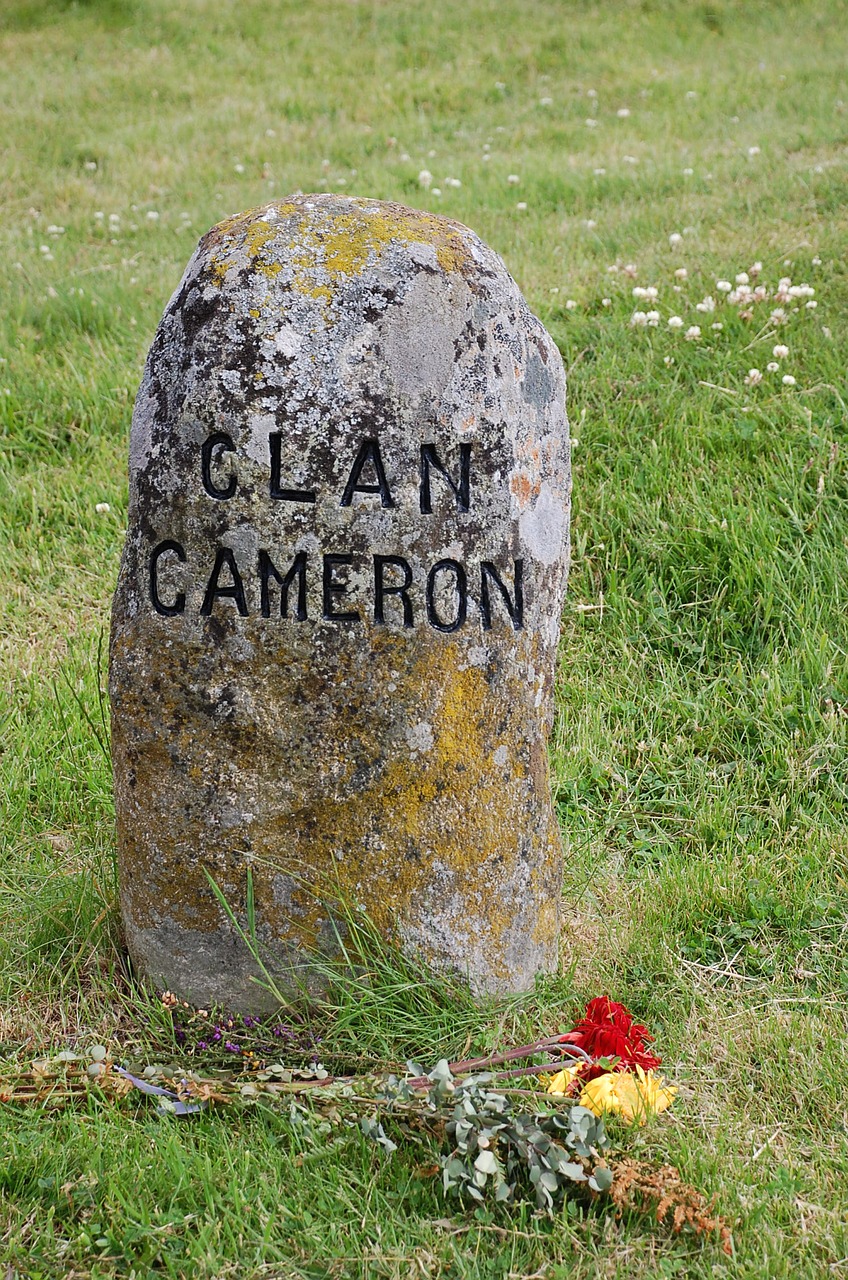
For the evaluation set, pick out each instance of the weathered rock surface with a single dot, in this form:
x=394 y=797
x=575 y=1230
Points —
x=335 y=628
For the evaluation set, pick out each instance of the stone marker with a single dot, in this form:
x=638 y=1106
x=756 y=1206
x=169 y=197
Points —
x=335 y=628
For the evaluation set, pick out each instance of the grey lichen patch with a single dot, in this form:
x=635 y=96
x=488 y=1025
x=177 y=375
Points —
x=336 y=622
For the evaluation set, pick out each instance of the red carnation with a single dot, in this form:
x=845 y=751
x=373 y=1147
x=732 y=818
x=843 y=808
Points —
x=607 y=1030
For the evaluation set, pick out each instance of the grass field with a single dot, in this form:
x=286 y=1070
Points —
x=700 y=757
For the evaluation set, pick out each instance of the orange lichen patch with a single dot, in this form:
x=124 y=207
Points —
x=325 y=247
x=524 y=488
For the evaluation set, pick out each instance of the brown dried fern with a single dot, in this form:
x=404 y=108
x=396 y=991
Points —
x=675 y=1203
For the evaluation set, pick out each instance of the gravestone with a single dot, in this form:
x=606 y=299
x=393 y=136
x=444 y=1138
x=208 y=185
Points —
x=335 y=628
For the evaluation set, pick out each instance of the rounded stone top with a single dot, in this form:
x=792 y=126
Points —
x=318 y=245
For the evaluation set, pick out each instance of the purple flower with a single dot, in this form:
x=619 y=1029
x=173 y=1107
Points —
x=201 y=1044
x=230 y=1047
x=216 y=1035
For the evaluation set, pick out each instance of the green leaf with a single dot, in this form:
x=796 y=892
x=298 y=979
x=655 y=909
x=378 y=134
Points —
x=486 y=1162
x=601 y=1179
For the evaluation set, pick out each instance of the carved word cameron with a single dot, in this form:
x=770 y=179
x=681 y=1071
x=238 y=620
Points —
x=286 y=581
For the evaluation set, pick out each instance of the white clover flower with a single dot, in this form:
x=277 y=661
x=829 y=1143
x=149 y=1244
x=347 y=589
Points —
x=692 y=333
x=781 y=351
x=675 y=322
x=681 y=273
x=788 y=380
x=630 y=270
x=99 y=215
x=668 y=360
x=811 y=306
x=687 y=173
x=102 y=508
x=590 y=224
x=53 y=230
x=612 y=269
x=753 y=151
x=545 y=102
x=570 y=304
x=653 y=318
x=623 y=113
x=114 y=219
x=754 y=378
x=690 y=94
x=591 y=124
x=152 y=215
x=675 y=238
x=723 y=286
x=425 y=177
x=816 y=261
x=760 y=293
x=452 y=182
x=239 y=168
x=778 y=316
x=772 y=366
x=630 y=160
x=599 y=173
x=718 y=326
x=639 y=319
x=45 y=249
x=513 y=179
x=591 y=93
x=794 y=290
x=522 y=205
x=755 y=269
x=606 y=302
x=708 y=304
x=826 y=331
x=743 y=278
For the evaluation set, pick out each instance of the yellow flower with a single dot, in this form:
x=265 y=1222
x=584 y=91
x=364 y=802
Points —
x=633 y=1096
x=560 y=1082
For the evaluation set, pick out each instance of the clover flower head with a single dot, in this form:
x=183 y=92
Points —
x=780 y=351
x=692 y=333
x=788 y=380
x=675 y=322
x=681 y=273
x=754 y=378
x=723 y=286
x=638 y=320
x=675 y=238
x=772 y=366
x=708 y=304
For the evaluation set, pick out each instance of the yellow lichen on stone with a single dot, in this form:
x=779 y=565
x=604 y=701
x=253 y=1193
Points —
x=325 y=248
